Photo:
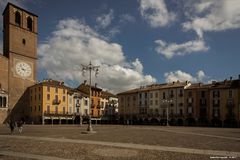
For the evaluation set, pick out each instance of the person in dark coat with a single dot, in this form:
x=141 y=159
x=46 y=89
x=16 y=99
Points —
x=12 y=126
x=20 y=126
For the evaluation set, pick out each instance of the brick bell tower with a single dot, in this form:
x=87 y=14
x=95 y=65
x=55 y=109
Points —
x=20 y=47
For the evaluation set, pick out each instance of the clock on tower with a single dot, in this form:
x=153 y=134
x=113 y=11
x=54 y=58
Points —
x=20 y=47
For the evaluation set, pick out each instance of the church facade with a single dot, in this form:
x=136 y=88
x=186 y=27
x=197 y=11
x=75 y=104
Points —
x=18 y=61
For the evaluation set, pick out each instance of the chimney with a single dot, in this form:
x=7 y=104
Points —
x=230 y=78
x=186 y=82
x=96 y=85
x=84 y=82
x=173 y=82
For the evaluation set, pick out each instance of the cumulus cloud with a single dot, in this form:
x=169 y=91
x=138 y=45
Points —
x=214 y=15
x=172 y=49
x=183 y=76
x=156 y=13
x=75 y=43
x=105 y=20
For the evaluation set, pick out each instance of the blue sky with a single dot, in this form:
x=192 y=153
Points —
x=137 y=42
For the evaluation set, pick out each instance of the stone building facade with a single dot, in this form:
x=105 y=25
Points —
x=216 y=104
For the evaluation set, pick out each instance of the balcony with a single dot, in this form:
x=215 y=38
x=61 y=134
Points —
x=56 y=102
x=58 y=113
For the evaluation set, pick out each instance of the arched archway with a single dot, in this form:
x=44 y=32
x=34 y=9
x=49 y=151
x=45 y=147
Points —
x=216 y=123
x=145 y=121
x=190 y=122
x=172 y=122
x=154 y=121
x=163 y=122
x=232 y=123
x=179 y=122
x=203 y=122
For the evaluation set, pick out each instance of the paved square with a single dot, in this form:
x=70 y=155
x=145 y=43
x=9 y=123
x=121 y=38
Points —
x=119 y=142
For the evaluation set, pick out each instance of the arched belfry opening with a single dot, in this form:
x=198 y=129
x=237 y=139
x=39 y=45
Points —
x=29 y=23
x=17 y=18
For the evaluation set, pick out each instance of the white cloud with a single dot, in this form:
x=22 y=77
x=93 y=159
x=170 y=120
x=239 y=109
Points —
x=214 y=15
x=183 y=76
x=112 y=32
x=124 y=18
x=75 y=43
x=105 y=20
x=156 y=13
x=172 y=49
x=138 y=66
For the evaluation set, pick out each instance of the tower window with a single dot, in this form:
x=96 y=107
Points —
x=29 y=23
x=23 y=41
x=17 y=18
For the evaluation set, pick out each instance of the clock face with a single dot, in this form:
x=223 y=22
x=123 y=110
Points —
x=23 y=69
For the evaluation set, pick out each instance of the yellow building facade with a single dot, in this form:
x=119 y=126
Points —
x=48 y=102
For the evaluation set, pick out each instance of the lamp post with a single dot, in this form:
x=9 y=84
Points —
x=90 y=68
x=167 y=101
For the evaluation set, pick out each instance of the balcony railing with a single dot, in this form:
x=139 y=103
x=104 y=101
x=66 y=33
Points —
x=57 y=113
x=55 y=101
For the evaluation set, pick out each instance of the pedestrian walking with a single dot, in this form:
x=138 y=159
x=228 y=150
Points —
x=12 y=126
x=20 y=126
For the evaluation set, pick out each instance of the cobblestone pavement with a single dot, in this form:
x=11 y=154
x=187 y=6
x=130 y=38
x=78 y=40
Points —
x=224 y=140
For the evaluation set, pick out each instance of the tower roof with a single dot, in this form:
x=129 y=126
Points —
x=17 y=8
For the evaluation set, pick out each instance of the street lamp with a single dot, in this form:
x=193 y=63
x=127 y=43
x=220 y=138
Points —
x=167 y=101
x=90 y=68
